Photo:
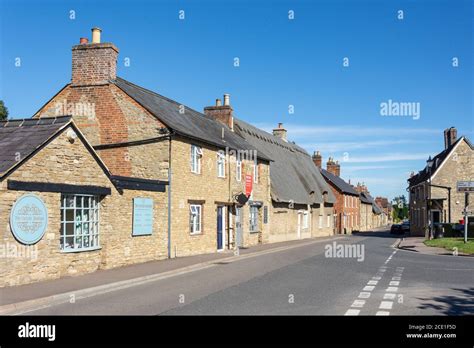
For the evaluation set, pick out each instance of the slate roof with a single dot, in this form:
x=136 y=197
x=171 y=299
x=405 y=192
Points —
x=340 y=184
x=423 y=175
x=292 y=172
x=191 y=123
x=364 y=198
x=23 y=137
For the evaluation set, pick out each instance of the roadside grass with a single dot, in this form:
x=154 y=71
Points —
x=450 y=243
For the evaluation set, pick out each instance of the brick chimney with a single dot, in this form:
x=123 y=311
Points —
x=333 y=167
x=361 y=187
x=222 y=113
x=94 y=63
x=450 y=136
x=317 y=159
x=280 y=132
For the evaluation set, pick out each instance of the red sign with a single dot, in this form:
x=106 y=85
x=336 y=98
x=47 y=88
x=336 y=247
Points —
x=248 y=185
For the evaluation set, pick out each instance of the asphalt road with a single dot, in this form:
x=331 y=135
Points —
x=302 y=281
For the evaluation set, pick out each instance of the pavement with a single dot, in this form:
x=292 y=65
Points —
x=17 y=299
x=369 y=277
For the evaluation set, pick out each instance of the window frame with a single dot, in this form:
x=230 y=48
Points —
x=92 y=222
x=220 y=164
x=192 y=223
x=238 y=170
x=196 y=155
x=305 y=219
x=253 y=215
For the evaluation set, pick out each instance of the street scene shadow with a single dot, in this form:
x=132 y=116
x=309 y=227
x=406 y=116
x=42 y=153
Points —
x=379 y=234
x=461 y=304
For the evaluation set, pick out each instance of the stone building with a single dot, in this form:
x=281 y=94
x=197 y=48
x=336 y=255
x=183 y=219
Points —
x=62 y=212
x=302 y=204
x=347 y=206
x=433 y=193
x=140 y=133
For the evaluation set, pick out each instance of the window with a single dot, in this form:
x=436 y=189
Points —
x=345 y=201
x=221 y=164
x=196 y=154
x=79 y=222
x=328 y=221
x=238 y=170
x=195 y=213
x=253 y=223
x=305 y=219
x=255 y=171
x=320 y=221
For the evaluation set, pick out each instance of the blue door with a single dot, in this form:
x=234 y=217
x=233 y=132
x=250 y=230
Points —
x=220 y=239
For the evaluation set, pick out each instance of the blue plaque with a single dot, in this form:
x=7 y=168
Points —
x=142 y=216
x=29 y=219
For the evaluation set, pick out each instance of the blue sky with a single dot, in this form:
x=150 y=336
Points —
x=283 y=62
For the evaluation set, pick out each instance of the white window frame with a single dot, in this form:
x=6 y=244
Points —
x=80 y=241
x=220 y=164
x=305 y=219
x=238 y=170
x=255 y=171
x=320 y=222
x=195 y=218
x=328 y=220
x=196 y=154
x=253 y=218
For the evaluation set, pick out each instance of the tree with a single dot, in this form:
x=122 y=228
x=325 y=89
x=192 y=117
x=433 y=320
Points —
x=400 y=208
x=3 y=111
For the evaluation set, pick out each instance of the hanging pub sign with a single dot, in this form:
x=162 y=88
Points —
x=248 y=185
x=142 y=216
x=29 y=219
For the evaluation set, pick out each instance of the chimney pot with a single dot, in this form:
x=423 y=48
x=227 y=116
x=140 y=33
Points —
x=218 y=102
x=96 y=35
x=83 y=40
x=226 y=99
x=317 y=159
x=280 y=132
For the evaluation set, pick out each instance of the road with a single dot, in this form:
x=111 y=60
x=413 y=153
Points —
x=303 y=281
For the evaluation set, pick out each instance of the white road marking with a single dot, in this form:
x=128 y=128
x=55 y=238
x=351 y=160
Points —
x=396 y=278
x=358 y=303
x=392 y=289
x=368 y=288
x=394 y=283
x=382 y=313
x=389 y=296
x=364 y=295
x=353 y=312
x=386 y=305
x=372 y=282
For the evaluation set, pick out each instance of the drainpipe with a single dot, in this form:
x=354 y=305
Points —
x=169 y=198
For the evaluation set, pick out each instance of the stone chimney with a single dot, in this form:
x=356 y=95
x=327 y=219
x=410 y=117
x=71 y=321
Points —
x=222 y=113
x=450 y=137
x=317 y=159
x=280 y=132
x=333 y=167
x=94 y=63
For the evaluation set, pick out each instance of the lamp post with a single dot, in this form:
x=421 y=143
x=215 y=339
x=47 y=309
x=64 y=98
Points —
x=429 y=164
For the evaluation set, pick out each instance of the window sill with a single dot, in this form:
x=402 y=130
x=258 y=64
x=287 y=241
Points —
x=253 y=232
x=68 y=251
x=196 y=234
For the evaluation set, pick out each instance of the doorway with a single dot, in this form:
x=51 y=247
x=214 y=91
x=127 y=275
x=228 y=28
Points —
x=220 y=227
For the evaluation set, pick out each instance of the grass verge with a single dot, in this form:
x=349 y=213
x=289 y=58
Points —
x=451 y=243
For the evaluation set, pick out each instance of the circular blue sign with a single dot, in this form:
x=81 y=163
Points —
x=28 y=219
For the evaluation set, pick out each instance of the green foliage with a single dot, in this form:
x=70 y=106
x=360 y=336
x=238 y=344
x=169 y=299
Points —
x=399 y=209
x=3 y=111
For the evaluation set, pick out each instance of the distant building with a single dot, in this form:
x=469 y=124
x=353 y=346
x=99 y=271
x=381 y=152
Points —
x=433 y=196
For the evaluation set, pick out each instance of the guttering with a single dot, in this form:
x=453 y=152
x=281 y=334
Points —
x=132 y=143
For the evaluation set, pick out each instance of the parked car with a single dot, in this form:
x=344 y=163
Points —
x=406 y=226
x=396 y=229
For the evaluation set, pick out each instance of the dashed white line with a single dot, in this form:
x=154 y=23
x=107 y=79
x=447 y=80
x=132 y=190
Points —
x=368 y=288
x=386 y=305
x=358 y=303
x=353 y=312
x=382 y=313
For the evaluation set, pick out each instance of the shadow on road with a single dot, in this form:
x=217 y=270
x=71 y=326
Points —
x=379 y=234
x=462 y=304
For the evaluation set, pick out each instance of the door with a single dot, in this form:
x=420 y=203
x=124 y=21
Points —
x=300 y=214
x=238 y=226
x=220 y=227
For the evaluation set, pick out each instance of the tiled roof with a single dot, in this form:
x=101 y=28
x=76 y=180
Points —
x=21 y=138
x=423 y=175
x=294 y=177
x=190 y=123
x=340 y=184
